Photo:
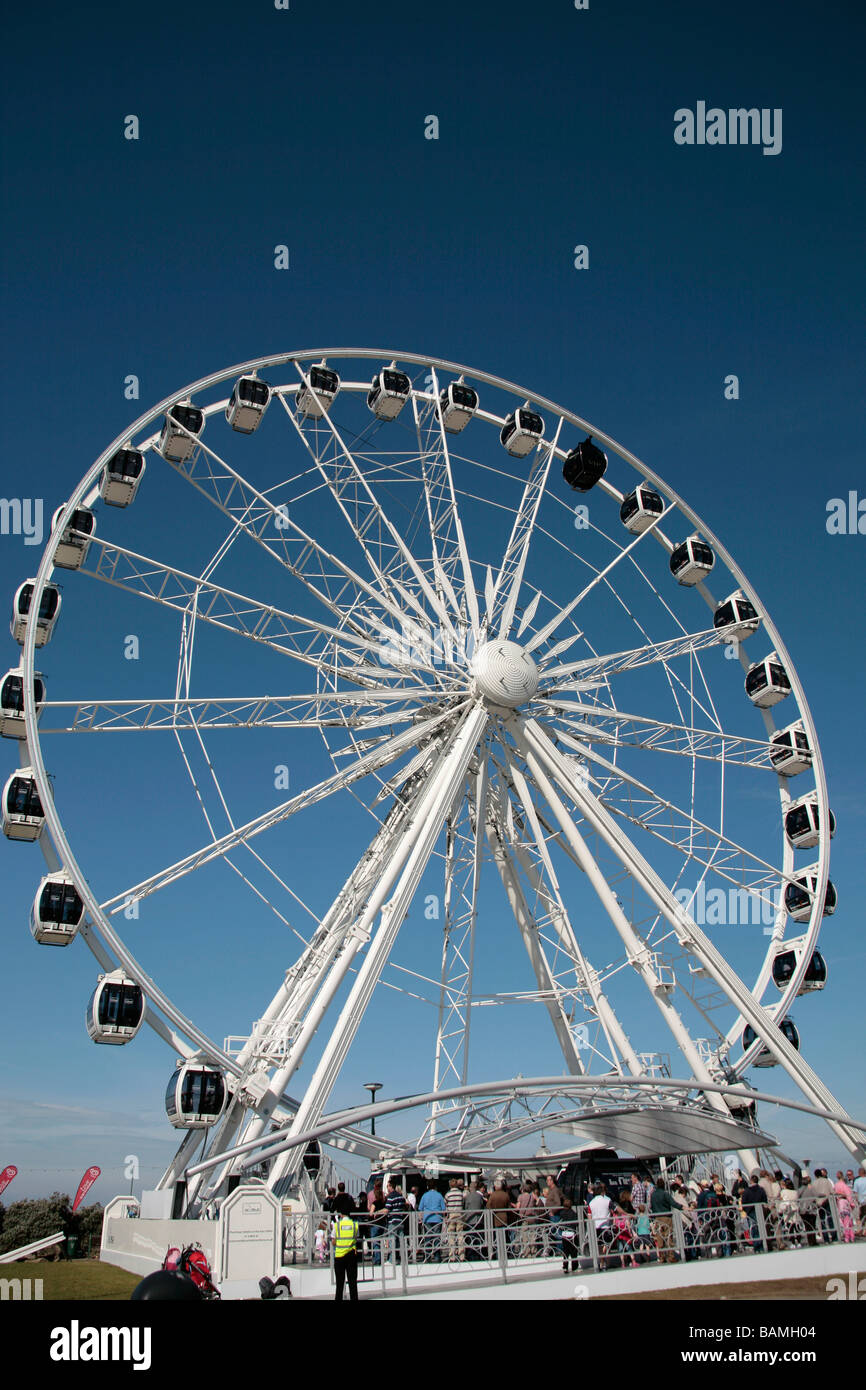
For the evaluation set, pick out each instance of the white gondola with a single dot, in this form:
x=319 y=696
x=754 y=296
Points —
x=116 y=1009
x=46 y=619
x=23 y=816
x=785 y=964
x=312 y=401
x=57 y=910
x=789 y=750
x=583 y=467
x=121 y=477
x=389 y=392
x=458 y=403
x=196 y=1095
x=181 y=430
x=802 y=827
x=522 y=431
x=800 y=894
x=74 y=544
x=738 y=617
x=691 y=561
x=640 y=508
x=767 y=682
x=12 y=702
x=765 y=1058
x=745 y=1112
x=247 y=404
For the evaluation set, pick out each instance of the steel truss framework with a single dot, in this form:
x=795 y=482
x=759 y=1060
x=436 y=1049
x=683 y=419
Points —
x=511 y=1110
x=386 y=642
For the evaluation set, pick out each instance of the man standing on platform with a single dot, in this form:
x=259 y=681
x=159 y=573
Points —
x=344 y=1234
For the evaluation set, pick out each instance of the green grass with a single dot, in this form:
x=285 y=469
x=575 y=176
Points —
x=75 y=1280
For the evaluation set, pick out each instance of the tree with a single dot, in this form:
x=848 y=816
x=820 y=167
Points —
x=32 y=1220
x=88 y=1227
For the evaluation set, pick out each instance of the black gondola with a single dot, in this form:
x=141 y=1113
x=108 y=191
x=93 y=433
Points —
x=738 y=617
x=313 y=1158
x=802 y=825
x=765 y=1057
x=12 y=702
x=247 y=404
x=583 y=467
x=74 y=544
x=640 y=508
x=312 y=401
x=116 y=1009
x=57 y=911
x=800 y=894
x=789 y=750
x=691 y=561
x=522 y=431
x=23 y=815
x=389 y=392
x=121 y=477
x=458 y=403
x=180 y=432
x=196 y=1095
x=815 y=977
x=49 y=612
x=767 y=682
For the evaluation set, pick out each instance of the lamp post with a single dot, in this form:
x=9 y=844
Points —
x=373 y=1087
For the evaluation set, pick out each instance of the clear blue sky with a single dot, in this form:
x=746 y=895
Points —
x=306 y=127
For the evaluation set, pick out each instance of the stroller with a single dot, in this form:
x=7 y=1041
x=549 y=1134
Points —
x=193 y=1262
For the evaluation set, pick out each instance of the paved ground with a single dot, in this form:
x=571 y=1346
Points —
x=813 y=1289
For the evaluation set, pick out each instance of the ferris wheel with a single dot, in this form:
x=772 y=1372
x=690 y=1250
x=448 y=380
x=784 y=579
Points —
x=533 y=722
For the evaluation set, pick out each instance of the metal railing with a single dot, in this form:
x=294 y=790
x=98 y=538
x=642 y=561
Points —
x=394 y=1252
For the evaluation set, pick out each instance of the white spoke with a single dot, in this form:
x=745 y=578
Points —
x=323 y=574
x=378 y=758
x=602 y=724
x=349 y=709
x=600 y=668
x=658 y=807
x=351 y=489
x=566 y=611
x=510 y=576
x=450 y=495
x=221 y=607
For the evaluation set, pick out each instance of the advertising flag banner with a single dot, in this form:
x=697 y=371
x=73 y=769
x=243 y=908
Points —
x=85 y=1185
x=6 y=1177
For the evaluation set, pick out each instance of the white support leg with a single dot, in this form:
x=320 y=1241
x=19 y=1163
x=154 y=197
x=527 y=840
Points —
x=638 y=952
x=545 y=756
x=417 y=847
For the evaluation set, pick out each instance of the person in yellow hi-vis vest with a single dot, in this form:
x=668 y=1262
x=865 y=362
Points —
x=344 y=1234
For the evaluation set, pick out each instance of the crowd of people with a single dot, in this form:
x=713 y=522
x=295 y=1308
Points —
x=632 y=1226
x=761 y=1211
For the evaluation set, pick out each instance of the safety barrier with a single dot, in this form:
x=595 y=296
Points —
x=397 y=1251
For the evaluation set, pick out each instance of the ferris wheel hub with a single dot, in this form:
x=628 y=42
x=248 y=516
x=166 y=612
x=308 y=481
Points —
x=504 y=674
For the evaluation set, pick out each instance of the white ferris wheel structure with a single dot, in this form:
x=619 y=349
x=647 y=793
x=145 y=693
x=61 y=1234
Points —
x=522 y=681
